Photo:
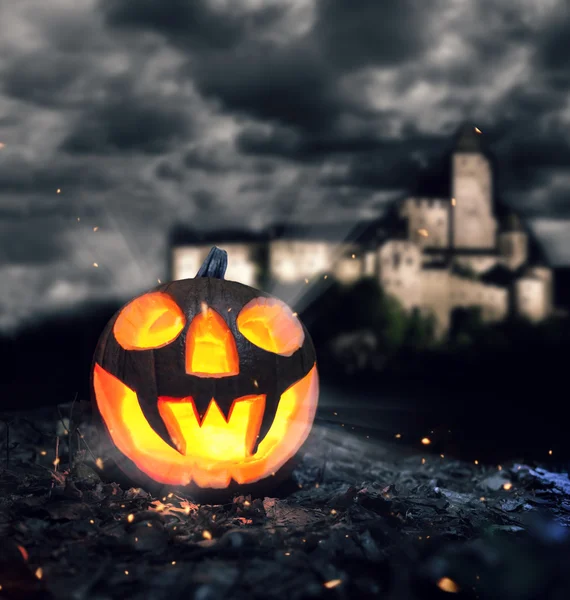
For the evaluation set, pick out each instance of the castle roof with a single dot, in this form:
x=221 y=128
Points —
x=181 y=235
x=501 y=275
x=469 y=139
x=361 y=232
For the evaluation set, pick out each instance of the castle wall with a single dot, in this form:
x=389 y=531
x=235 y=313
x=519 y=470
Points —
x=466 y=293
x=399 y=266
x=348 y=270
x=435 y=298
x=293 y=260
x=513 y=248
x=477 y=264
x=428 y=221
x=531 y=298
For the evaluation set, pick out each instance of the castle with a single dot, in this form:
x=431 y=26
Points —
x=436 y=255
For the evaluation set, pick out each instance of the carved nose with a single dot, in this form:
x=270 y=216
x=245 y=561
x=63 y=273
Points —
x=210 y=346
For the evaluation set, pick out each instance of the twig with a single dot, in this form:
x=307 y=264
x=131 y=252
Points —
x=70 y=432
x=86 y=445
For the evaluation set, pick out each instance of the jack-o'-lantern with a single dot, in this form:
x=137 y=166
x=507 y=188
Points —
x=205 y=381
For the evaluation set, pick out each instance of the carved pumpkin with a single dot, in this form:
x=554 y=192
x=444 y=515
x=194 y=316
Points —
x=203 y=381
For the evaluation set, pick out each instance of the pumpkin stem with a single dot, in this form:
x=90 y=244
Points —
x=215 y=264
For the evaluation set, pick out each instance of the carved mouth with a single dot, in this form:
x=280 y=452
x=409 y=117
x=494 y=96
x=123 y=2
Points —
x=213 y=450
x=214 y=435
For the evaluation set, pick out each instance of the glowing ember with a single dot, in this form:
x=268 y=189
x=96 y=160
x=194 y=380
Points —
x=99 y=463
x=426 y=441
x=332 y=583
x=131 y=518
x=95 y=228
x=58 y=191
x=398 y=436
x=185 y=507
x=477 y=130
x=448 y=585
x=23 y=552
x=507 y=486
x=206 y=535
x=39 y=573
x=453 y=202
x=95 y=265
x=423 y=232
x=550 y=452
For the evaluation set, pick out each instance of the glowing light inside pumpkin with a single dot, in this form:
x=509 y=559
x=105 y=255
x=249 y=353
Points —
x=149 y=321
x=210 y=346
x=135 y=438
x=214 y=437
x=271 y=325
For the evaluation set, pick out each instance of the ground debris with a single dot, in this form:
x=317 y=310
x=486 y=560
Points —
x=366 y=521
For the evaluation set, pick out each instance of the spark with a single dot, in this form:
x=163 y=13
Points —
x=398 y=436
x=58 y=191
x=95 y=228
x=230 y=309
x=550 y=452
x=477 y=130
x=499 y=468
x=354 y=256
x=442 y=456
x=23 y=552
x=39 y=572
x=95 y=265
x=295 y=314
x=483 y=499
x=447 y=585
x=332 y=583
x=325 y=276
x=159 y=281
x=453 y=202
x=306 y=280
x=204 y=308
x=126 y=572
x=255 y=383
x=56 y=462
x=92 y=521
x=507 y=486
x=423 y=461
x=131 y=518
x=206 y=535
x=426 y=441
x=99 y=463
x=173 y=562
x=247 y=503
x=423 y=232
x=476 y=462
x=43 y=452
x=333 y=512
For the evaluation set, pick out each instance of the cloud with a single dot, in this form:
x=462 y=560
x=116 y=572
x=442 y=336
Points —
x=147 y=113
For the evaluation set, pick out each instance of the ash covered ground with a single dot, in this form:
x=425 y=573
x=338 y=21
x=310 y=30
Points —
x=365 y=519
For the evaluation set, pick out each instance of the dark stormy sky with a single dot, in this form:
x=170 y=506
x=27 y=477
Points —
x=239 y=112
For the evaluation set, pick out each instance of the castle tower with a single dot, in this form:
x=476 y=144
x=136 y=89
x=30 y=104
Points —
x=513 y=243
x=473 y=222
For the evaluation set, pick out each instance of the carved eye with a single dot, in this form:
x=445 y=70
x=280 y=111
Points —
x=271 y=325
x=150 y=321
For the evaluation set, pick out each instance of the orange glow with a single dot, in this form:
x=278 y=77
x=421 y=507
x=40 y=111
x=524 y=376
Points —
x=271 y=325
x=214 y=438
x=210 y=346
x=198 y=459
x=149 y=321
